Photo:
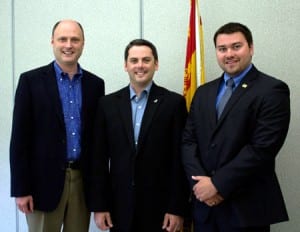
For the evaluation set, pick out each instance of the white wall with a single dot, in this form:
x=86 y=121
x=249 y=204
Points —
x=25 y=32
x=7 y=211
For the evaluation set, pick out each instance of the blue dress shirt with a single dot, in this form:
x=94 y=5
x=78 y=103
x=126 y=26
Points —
x=71 y=99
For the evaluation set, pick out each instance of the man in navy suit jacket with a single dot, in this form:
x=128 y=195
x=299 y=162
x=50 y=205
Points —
x=53 y=117
x=230 y=158
x=138 y=178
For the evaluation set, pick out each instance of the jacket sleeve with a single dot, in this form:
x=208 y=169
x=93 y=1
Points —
x=99 y=188
x=20 y=140
x=189 y=149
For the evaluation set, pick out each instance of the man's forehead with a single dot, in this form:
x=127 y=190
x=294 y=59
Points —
x=233 y=38
x=140 y=53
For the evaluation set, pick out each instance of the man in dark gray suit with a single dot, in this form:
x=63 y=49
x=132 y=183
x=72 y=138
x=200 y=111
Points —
x=54 y=111
x=229 y=148
x=138 y=176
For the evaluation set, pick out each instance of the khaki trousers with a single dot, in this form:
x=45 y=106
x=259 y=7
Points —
x=71 y=215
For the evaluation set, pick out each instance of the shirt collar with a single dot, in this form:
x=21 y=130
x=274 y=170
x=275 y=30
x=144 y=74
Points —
x=146 y=90
x=60 y=73
x=237 y=79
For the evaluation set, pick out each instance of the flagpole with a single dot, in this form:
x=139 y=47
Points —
x=201 y=44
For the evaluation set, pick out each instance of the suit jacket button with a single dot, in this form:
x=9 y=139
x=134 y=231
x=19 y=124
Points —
x=212 y=173
x=213 y=145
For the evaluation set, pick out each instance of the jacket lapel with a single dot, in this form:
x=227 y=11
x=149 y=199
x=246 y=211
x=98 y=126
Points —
x=211 y=98
x=155 y=99
x=85 y=99
x=52 y=89
x=126 y=114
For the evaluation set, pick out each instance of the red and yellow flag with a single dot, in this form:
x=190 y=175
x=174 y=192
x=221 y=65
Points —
x=193 y=55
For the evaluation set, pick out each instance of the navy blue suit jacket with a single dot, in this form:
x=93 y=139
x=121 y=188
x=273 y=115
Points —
x=238 y=151
x=38 y=139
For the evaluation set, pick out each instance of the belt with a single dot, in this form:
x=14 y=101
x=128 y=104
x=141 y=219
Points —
x=73 y=164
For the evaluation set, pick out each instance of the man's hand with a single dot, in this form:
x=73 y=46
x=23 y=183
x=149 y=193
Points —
x=215 y=200
x=172 y=223
x=25 y=204
x=103 y=220
x=204 y=188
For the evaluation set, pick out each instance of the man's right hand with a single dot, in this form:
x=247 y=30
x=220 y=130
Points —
x=103 y=220
x=25 y=204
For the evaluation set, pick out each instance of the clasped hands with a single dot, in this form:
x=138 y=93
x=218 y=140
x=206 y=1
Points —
x=205 y=191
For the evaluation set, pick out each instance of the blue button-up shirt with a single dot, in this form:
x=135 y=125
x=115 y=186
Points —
x=138 y=106
x=71 y=99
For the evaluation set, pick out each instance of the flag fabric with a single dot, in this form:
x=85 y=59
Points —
x=193 y=55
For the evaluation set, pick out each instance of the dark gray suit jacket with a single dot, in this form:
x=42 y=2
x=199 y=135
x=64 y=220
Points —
x=138 y=185
x=238 y=151
x=38 y=139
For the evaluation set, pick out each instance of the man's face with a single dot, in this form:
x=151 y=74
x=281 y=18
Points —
x=140 y=65
x=233 y=53
x=67 y=43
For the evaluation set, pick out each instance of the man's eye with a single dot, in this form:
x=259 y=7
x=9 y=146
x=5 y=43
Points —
x=147 y=61
x=236 y=47
x=222 y=49
x=75 y=40
x=133 y=61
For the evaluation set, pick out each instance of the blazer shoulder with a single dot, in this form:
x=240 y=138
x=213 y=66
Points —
x=91 y=75
x=270 y=80
x=119 y=94
x=39 y=70
x=209 y=88
x=166 y=92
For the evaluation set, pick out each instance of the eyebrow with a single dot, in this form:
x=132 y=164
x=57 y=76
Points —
x=143 y=58
x=235 y=43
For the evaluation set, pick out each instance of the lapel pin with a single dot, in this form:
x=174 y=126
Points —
x=244 y=85
x=155 y=101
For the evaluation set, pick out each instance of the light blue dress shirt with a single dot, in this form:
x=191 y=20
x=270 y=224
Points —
x=138 y=106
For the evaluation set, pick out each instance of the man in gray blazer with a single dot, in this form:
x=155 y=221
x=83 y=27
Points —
x=53 y=117
x=229 y=149
x=138 y=177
